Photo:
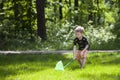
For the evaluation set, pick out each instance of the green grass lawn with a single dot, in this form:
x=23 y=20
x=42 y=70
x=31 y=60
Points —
x=99 y=66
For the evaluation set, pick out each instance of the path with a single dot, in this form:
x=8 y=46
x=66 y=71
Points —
x=54 y=52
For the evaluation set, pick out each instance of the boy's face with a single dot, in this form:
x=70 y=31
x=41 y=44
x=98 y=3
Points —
x=78 y=34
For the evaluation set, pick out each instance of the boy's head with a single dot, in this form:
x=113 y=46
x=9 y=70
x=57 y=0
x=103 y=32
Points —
x=79 y=31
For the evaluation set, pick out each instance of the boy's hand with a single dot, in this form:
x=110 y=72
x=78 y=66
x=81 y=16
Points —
x=74 y=52
x=81 y=56
x=82 y=52
x=74 y=58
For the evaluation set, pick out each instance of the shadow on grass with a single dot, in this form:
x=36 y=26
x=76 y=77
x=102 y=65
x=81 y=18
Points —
x=104 y=58
x=13 y=64
x=6 y=72
x=114 y=61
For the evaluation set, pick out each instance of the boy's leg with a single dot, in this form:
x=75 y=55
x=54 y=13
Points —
x=78 y=56
x=83 y=60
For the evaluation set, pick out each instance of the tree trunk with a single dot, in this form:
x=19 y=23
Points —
x=76 y=4
x=70 y=10
x=119 y=9
x=90 y=16
x=60 y=10
x=40 y=5
x=98 y=13
x=29 y=15
x=1 y=4
x=76 y=9
x=16 y=11
x=16 y=17
x=68 y=3
x=55 y=14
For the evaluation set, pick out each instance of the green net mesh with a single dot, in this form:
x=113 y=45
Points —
x=59 y=66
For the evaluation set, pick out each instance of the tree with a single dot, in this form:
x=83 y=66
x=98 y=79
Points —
x=40 y=7
x=76 y=10
x=60 y=10
x=70 y=9
x=98 y=13
x=1 y=4
x=69 y=15
x=117 y=24
x=90 y=16
x=29 y=15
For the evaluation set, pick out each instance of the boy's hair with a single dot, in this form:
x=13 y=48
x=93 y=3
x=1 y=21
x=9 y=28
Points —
x=79 y=29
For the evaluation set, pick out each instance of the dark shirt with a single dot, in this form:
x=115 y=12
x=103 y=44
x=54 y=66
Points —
x=82 y=43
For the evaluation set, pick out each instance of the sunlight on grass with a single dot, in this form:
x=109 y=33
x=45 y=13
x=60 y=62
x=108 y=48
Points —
x=100 y=66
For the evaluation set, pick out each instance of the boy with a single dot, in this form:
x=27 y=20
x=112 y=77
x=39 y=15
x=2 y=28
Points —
x=83 y=46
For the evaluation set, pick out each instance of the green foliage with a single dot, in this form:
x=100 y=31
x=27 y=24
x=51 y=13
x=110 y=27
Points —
x=100 y=37
x=18 y=24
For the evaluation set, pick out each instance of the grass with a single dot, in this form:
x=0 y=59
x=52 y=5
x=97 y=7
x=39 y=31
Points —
x=99 y=66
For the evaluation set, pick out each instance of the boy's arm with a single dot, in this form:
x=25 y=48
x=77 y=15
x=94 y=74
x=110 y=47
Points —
x=74 y=51
x=86 y=47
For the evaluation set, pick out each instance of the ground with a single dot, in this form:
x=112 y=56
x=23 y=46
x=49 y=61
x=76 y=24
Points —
x=99 y=66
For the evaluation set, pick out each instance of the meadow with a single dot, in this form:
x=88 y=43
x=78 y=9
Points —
x=99 y=66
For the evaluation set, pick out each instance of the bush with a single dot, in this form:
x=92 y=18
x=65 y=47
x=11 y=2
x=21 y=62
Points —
x=100 y=37
x=60 y=35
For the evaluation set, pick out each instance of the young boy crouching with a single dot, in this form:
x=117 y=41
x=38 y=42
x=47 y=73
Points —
x=83 y=44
